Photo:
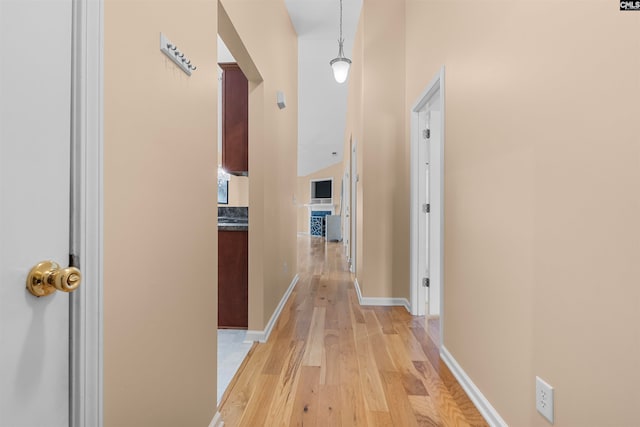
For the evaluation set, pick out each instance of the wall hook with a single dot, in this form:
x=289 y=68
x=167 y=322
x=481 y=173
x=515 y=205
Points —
x=172 y=51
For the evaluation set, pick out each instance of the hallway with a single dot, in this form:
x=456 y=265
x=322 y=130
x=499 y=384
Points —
x=331 y=362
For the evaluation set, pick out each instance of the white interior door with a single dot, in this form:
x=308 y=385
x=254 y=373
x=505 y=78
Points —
x=427 y=188
x=423 y=208
x=346 y=213
x=35 y=108
x=428 y=207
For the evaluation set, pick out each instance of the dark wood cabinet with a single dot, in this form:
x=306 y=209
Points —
x=233 y=279
x=235 y=120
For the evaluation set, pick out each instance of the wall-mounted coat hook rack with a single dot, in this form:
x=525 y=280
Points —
x=172 y=51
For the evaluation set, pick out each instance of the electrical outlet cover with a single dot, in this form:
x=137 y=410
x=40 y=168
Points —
x=544 y=399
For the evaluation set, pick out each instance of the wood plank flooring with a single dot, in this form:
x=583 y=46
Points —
x=331 y=362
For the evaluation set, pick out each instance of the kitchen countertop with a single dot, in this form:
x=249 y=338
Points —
x=232 y=224
x=233 y=227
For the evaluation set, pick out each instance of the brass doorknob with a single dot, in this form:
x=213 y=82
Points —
x=47 y=277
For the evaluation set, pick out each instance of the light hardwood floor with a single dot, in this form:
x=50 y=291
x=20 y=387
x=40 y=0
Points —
x=331 y=362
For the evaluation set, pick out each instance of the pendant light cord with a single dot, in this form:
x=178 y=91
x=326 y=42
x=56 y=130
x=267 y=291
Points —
x=341 y=21
x=340 y=40
x=340 y=60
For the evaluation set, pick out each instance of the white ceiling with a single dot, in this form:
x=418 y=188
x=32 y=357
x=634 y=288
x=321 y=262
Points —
x=320 y=19
x=322 y=103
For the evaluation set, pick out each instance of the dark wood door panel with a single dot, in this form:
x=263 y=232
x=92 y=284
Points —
x=235 y=120
x=233 y=279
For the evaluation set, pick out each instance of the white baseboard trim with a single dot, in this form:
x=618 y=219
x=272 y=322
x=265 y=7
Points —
x=358 y=292
x=263 y=336
x=252 y=336
x=486 y=409
x=402 y=302
x=382 y=301
x=217 y=420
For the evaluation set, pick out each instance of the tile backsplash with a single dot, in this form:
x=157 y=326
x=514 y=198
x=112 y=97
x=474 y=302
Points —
x=233 y=212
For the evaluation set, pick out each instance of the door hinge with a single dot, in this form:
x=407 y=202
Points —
x=425 y=282
x=426 y=133
x=426 y=207
x=74 y=260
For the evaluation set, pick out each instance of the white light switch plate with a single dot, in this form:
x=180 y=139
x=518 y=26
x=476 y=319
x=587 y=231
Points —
x=544 y=399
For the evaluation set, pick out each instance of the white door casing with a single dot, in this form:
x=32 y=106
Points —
x=423 y=200
x=428 y=112
x=354 y=205
x=38 y=80
x=346 y=213
x=86 y=406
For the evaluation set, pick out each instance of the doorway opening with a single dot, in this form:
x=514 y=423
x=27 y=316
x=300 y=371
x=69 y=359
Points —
x=427 y=200
x=241 y=108
x=233 y=217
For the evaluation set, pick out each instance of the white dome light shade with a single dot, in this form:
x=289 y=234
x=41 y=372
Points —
x=340 y=69
x=340 y=64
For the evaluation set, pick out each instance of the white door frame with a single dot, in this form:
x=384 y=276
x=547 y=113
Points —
x=86 y=242
x=354 y=205
x=345 y=207
x=436 y=86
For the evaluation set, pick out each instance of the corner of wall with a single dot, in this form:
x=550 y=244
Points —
x=272 y=149
x=384 y=177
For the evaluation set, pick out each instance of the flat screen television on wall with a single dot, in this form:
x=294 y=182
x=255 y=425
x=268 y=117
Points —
x=321 y=189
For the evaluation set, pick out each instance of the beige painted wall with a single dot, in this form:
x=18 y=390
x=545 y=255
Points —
x=542 y=133
x=160 y=234
x=385 y=154
x=376 y=124
x=303 y=195
x=272 y=148
x=238 y=191
x=541 y=99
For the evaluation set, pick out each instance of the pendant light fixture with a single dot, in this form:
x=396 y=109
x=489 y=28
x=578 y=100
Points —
x=340 y=64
